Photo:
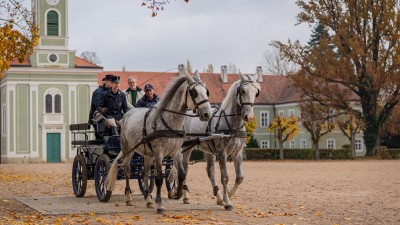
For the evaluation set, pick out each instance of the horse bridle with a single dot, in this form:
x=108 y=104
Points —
x=239 y=93
x=193 y=94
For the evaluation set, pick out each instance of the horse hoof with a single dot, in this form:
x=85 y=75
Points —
x=220 y=203
x=186 y=201
x=172 y=195
x=229 y=207
x=161 y=211
x=129 y=203
x=150 y=205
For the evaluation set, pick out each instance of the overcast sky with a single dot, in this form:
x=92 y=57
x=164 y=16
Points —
x=123 y=33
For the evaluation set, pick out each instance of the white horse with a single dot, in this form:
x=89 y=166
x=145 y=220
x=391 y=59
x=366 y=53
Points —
x=236 y=108
x=157 y=132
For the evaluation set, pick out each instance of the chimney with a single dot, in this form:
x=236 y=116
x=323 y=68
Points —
x=260 y=74
x=224 y=74
x=181 y=70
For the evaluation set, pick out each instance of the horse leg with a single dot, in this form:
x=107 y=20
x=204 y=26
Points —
x=238 y=160
x=186 y=157
x=159 y=182
x=211 y=175
x=178 y=163
x=148 y=162
x=224 y=180
x=127 y=173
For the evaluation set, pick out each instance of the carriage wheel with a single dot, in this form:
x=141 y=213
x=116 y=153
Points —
x=79 y=175
x=150 y=181
x=100 y=177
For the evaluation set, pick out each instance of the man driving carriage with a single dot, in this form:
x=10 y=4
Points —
x=106 y=84
x=112 y=104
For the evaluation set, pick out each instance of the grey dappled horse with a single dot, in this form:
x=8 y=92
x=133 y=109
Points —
x=235 y=108
x=157 y=132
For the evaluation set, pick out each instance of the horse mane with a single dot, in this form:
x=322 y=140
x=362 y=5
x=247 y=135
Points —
x=169 y=93
x=230 y=95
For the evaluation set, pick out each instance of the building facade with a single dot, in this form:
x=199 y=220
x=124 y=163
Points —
x=41 y=96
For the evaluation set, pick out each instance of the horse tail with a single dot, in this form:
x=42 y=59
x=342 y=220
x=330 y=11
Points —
x=173 y=174
x=112 y=174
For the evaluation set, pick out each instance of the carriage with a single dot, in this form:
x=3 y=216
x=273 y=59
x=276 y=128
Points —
x=156 y=133
x=94 y=157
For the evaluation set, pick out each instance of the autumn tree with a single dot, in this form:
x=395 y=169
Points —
x=91 y=57
x=350 y=125
x=273 y=62
x=285 y=129
x=18 y=35
x=317 y=120
x=250 y=127
x=358 y=58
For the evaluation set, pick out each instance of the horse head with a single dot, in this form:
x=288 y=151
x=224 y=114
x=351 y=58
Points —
x=247 y=90
x=197 y=97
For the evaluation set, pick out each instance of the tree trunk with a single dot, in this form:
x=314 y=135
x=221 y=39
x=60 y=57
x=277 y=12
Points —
x=281 y=150
x=371 y=133
x=353 y=145
x=316 y=151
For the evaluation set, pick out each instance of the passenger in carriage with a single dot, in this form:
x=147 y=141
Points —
x=149 y=99
x=106 y=84
x=112 y=104
x=133 y=93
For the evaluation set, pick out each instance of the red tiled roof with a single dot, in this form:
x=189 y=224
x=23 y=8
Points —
x=274 y=89
x=82 y=63
x=25 y=63
x=79 y=63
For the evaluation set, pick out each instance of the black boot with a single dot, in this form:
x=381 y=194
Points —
x=114 y=131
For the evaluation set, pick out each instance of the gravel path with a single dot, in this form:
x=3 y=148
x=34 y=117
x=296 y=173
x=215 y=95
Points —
x=273 y=192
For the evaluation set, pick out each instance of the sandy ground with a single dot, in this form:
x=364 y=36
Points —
x=273 y=192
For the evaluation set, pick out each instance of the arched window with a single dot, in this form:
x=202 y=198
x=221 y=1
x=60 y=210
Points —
x=57 y=103
x=53 y=101
x=52 y=23
x=49 y=103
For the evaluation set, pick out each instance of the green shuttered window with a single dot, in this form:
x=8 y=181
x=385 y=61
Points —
x=52 y=23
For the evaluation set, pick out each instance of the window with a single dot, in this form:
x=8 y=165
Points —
x=291 y=112
x=264 y=144
x=303 y=143
x=52 y=23
x=281 y=113
x=53 y=101
x=3 y=120
x=264 y=121
x=358 y=144
x=292 y=144
x=330 y=144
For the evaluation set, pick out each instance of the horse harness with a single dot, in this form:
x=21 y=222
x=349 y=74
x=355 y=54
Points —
x=169 y=132
x=235 y=133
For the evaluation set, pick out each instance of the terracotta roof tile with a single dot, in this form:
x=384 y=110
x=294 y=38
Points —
x=79 y=63
x=82 y=63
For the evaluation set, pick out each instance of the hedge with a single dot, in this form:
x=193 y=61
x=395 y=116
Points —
x=302 y=154
x=293 y=153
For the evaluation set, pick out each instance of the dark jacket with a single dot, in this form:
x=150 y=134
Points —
x=95 y=97
x=144 y=102
x=115 y=103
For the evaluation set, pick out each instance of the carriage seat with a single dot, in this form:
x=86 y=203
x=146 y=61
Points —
x=83 y=129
